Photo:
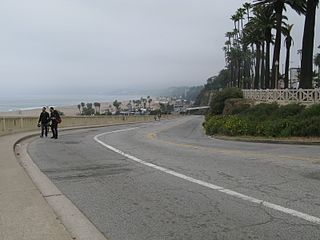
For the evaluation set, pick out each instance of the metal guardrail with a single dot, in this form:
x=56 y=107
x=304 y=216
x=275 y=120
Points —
x=285 y=96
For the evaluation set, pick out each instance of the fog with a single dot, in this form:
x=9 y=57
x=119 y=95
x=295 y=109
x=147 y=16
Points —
x=100 y=46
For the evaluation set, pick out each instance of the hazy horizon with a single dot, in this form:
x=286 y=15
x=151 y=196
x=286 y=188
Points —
x=98 y=46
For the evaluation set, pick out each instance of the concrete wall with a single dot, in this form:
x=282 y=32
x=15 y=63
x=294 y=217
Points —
x=10 y=125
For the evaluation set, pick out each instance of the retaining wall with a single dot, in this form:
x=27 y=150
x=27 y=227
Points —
x=10 y=125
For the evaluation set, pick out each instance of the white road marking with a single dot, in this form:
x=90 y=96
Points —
x=235 y=194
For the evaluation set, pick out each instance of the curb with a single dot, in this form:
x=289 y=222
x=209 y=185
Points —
x=261 y=140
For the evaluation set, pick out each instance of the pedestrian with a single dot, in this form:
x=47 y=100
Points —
x=55 y=120
x=43 y=122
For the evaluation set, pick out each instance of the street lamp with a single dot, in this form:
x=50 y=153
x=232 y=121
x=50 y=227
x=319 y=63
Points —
x=277 y=72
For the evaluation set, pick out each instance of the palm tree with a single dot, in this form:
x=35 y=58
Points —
x=279 y=6
x=247 y=6
x=97 y=107
x=79 y=107
x=117 y=104
x=149 y=101
x=254 y=34
x=82 y=104
x=308 y=45
x=288 y=43
x=266 y=21
x=240 y=14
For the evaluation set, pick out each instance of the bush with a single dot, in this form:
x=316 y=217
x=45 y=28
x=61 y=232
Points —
x=218 y=100
x=312 y=111
x=213 y=125
x=235 y=126
x=235 y=106
x=289 y=110
x=268 y=120
x=261 y=111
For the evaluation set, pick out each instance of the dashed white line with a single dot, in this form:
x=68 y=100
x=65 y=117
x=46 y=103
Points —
x=235 y=194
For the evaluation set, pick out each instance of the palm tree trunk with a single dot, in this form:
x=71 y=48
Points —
x=239 y=73
x=267 y=74
x=286 y=75
x=263 y=70
x=307 y=45
x=257 y=69
x=276 y=54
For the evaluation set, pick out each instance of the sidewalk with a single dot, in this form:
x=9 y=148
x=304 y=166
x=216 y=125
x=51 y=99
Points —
x=24 y=213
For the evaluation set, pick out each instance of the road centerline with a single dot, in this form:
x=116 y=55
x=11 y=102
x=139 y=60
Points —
x=279 y=208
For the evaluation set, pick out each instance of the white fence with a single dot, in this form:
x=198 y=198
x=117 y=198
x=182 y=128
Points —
x=284 y=96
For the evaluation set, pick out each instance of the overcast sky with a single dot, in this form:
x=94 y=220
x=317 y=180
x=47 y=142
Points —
x=81 y=46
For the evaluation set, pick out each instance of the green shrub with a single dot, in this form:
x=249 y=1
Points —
x=235 y=126
x=289 y=110
x=214 y=125
x=267 y=120
x=218 y=100
x=235 y=106
x=308 y=127
x=261 y=111
x=312 y=111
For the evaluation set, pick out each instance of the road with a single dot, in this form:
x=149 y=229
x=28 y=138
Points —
x=167 y=180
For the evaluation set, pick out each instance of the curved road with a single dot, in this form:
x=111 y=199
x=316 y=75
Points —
x=167 y=180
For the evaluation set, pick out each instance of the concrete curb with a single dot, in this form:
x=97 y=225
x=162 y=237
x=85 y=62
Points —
x=71 y=217
x=261 y=140
x=24 y=213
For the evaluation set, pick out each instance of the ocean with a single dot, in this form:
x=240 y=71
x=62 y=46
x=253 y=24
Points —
x=26 y=102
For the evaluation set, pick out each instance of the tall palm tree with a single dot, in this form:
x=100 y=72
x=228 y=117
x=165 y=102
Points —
x=279 y=6
x=254 y=34
x=288 y=43
x=308 y=45
x=235 y=20
x=79 y=107
x=266 y=21
x=247 y=6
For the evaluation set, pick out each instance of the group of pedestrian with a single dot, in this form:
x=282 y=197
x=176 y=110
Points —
x=47 y=120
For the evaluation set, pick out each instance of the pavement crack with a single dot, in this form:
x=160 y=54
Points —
x=52 y=195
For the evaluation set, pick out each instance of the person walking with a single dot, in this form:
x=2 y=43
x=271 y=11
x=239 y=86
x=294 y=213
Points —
x=55 y=120
x=43 y=122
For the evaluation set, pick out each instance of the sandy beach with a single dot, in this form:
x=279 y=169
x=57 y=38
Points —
x=68 y=110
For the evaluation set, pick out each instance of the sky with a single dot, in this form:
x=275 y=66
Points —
x=98 y=46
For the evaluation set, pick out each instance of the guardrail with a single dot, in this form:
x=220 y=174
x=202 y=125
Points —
x=9 y=125
x=284 y=96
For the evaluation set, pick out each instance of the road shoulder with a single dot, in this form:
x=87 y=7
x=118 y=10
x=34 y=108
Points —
x=24 y=213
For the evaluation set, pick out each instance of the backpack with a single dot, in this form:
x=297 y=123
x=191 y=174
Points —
x=59 y=119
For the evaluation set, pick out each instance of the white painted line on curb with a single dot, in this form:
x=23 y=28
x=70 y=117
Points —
x=235 y=194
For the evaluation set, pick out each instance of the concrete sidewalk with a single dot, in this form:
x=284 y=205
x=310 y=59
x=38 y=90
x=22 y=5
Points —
x=24 y=213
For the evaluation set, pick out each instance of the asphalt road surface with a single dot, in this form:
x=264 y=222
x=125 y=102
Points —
x=167 y=180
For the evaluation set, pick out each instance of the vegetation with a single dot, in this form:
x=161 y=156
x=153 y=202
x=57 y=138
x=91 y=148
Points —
x=117 y=104
x=87 y=110
x=256 y=27
x=232 y=115
x=267 y=120
x=218 y=101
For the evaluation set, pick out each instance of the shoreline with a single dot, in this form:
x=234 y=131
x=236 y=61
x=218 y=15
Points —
x=68 y=110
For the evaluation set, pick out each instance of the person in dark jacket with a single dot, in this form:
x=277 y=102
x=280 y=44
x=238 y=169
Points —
x=43 y=122
x=55 y=120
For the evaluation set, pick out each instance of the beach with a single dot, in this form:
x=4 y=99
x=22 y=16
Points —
x=71 y=110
